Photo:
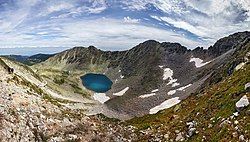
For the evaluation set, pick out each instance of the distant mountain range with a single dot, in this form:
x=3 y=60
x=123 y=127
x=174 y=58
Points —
x=162 y=91
x=30 y=60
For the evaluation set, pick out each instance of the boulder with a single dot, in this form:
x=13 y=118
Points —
x=242 y=103
x=179 y=137
x=241 y=138
x=247 y=86
x=191 y=124
x=191 y=132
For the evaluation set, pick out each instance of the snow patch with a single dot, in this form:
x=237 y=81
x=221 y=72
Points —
x=171 y=92
x=166 y=104
x=147 y=95
x=198 y=62
x=122 y=92
x=171 y=81
x=243 y=102
x=184 y=87
x=168 y=74
x=175 y=84
x=101 y=97
x=156 y=90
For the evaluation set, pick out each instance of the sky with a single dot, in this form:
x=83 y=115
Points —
x=118 y=24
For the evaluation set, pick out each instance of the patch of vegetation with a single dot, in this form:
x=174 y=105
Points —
x=52 y=100
x=105 y=118
x=59 y=80
x=77 y=89
x=32 y=87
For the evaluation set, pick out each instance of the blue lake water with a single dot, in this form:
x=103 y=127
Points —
x=96 y=82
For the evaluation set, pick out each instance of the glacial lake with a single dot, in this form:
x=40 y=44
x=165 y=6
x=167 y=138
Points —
x=96 y=82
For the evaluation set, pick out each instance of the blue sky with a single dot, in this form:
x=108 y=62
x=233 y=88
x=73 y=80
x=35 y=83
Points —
x=119 y=24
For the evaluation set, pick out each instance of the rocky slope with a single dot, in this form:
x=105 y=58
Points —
x=29 y=111
x=221 y=112
x=149 y=74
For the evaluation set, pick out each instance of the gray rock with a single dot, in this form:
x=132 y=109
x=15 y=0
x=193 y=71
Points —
x=191 y=132
x=179 y=137
x=210 y=125
x=236 y=114
x=241 y=138
x=191 y=124
x=225 y=122
x=247 y=86
x=242 y=103
x=166 y=136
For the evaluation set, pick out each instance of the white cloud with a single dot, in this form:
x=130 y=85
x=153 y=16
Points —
x=59 y=7
x=72 y=8
x=213 y=8
x=209 y=7
x=11 y=18
x=164 y=5
x=135 y=4
x=70 y=23
x=130 y=20
x=185 y=25
x=112 y=34
x=156 y=17
x=208 y=19
x=169 y=6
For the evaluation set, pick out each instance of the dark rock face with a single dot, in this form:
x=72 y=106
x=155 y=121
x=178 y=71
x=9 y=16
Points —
x=174 y=47
x=141 y=71
x=221 y=46
x=227 y=43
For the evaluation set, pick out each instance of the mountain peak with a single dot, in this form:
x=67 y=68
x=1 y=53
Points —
x=149 y=43
x=91 y=47
x=174 y=47
x=225 y=44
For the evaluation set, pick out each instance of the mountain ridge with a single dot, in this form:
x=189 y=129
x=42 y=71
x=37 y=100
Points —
x=142 y=69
